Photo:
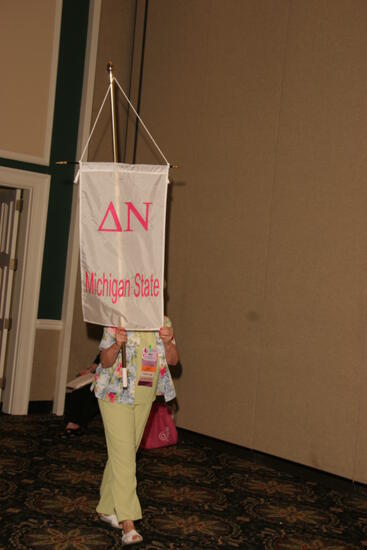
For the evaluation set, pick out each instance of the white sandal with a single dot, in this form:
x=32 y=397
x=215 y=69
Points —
x=128 y=538
x=112 y=520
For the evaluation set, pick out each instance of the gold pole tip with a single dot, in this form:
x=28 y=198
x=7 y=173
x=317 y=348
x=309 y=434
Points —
x=109 y=66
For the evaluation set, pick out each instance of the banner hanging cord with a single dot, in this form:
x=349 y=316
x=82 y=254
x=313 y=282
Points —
x=90 y=135
x=95 y=123
x=109 y=89
x=140 y=119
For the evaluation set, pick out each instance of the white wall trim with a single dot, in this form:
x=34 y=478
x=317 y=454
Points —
x=22 y=157
x=49 y=324
x=73 y=247
x=16 y=394
x=45 y=158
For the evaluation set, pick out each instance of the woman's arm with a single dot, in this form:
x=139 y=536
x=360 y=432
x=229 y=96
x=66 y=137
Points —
x=109 y=355
x=170 y=347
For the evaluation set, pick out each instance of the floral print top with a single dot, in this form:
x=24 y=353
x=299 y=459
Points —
x=107 y=384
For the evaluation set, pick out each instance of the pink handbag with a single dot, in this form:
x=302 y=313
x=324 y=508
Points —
x=160 y=430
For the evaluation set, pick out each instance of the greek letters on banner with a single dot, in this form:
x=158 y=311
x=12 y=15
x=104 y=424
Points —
x=122 y=233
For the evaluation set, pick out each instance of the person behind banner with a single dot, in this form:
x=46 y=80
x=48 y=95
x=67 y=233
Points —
x=125 y=412
x=81 y=405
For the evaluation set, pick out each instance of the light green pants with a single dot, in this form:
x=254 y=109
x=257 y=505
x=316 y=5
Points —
x=124 y=427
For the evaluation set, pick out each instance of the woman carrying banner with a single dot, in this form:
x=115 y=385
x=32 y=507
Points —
x=125 y=412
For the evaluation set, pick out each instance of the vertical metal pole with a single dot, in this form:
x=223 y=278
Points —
x=115 y=159
x=113 y=112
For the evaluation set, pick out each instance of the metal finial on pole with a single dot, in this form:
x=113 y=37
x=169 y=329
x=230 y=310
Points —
x=113 y=111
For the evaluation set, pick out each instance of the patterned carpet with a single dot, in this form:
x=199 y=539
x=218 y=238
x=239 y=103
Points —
x=200 y=494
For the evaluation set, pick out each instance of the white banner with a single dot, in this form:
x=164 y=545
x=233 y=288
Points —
x=122 y=234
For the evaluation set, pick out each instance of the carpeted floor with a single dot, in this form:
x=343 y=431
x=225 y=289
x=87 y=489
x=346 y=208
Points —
x=200 y=494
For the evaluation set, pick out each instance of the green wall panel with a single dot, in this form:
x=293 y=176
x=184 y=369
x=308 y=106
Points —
x=64 y=142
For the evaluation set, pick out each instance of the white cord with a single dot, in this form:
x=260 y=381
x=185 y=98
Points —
x=145 y=128
x=109 y=90
x=90 y=135
x=95 y=122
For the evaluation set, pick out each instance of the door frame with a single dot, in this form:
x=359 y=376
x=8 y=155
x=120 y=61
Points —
x=21 y=341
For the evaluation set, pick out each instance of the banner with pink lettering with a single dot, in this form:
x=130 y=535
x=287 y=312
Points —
x=122 y=237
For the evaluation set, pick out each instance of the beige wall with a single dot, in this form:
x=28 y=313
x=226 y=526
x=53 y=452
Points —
x=28 y=76
x=46 y=347
x=116 y=38
x=262 y=103
x=314 y=330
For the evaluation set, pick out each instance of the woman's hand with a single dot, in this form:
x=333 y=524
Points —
x=166 y=334
x=109 y=355
x=170 y=348
x=120 y=336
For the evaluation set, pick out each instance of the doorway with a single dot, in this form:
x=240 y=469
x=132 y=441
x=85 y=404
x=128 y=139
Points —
x=10 y=212
x=24 y=304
